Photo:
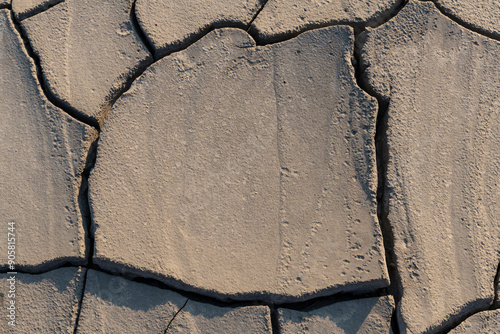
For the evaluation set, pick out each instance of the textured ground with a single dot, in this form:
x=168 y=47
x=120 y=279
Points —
x=249 y=166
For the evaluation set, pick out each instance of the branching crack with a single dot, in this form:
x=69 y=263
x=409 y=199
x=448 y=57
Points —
x=175 y=315
x=380 y=142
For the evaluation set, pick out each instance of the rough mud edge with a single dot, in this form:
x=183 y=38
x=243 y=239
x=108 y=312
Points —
x=455 y=320
x=80 y=302
x=468 y=26
x=460 y=316
x=175 y=315
x=52 y=99
x=39 y=9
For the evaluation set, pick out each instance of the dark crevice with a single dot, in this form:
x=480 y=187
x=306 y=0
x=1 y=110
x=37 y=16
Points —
x=275 y=324
x=41 y=81
x=80 y=302
x=305 y=306
x=381 y=151
x=5 y=6
x=249 y=25
x=47 y=266
x=39 y=9
x=278 y=38
x=469 y=26
x=138 y=29
x=83 y=201
x=495 y=305
x=136 y=72
x=175 y=315
x=394 y=323
x=455 y=320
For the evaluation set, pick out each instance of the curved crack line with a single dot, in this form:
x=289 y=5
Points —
x=386 y=16
x=300 y=306
x=142 y=35
x=65 y=107
x=469 y=26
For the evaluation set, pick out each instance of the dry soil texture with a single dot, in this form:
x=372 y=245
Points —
x=250 y=166
x=259 y=182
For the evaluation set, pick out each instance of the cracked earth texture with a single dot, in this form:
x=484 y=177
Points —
x=249 y=166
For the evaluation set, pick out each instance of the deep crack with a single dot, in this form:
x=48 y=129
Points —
x=381 y=152
x=275 y=324
x=83 y=201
